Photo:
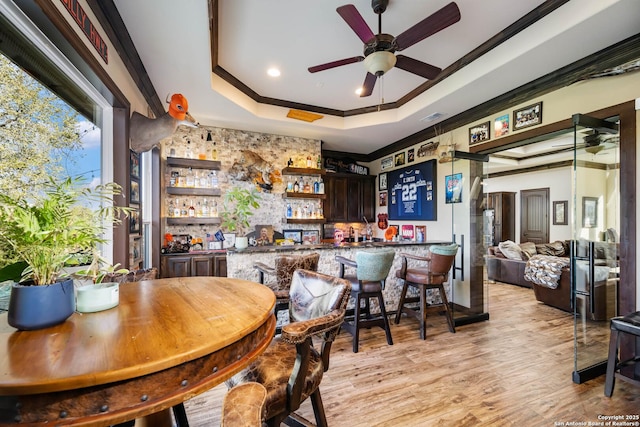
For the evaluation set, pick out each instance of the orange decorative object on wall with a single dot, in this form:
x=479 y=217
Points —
x=390 y=233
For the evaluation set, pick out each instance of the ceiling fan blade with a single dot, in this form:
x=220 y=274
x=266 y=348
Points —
x=448 y=15
x=357 y=23
x=335 y=64
x=417 y=67
x=368 y=85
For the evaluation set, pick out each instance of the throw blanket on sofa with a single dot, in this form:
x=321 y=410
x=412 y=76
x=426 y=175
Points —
x=545 y=270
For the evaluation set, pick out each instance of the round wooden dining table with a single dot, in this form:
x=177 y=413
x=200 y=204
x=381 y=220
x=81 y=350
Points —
x=167 y=341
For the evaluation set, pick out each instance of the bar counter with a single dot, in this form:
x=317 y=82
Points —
x=240 y=263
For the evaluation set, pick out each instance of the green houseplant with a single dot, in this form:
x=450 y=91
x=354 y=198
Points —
x=239 y=205
x=98 y=295
x=42 y=232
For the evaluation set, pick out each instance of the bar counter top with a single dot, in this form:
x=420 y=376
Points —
x=324 y=246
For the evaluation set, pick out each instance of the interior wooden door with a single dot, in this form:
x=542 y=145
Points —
x=534 y=215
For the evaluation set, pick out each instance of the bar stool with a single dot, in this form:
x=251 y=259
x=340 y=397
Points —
x=629 y=324
x=372 y=268
x=433 y=275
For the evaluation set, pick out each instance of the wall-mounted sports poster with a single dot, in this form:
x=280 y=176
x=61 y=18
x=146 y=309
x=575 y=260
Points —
x=412 y=192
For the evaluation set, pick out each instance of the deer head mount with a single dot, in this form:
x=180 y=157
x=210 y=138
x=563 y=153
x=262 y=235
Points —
x=146 y=133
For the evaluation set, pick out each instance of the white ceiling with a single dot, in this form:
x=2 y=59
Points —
x=173 y=41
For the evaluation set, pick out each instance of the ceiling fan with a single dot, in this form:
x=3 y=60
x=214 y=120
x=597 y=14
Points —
x=379 y=49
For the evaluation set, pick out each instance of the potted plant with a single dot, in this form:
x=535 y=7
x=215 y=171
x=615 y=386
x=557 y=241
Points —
x=239 y=205
x=98 y=295
x=42 y=232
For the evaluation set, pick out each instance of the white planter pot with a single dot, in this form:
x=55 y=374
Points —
x=98 y=297
x=242 y=242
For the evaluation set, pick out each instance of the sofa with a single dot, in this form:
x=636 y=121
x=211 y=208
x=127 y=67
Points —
x=507 y=263
x=501 y=268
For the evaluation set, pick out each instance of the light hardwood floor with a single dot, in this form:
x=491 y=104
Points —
x=512 y=370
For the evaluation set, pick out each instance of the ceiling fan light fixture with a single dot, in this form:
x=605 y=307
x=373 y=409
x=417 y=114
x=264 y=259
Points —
x=378 y=63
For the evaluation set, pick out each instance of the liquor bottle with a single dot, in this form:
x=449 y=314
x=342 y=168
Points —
x=204 y=181
x=182 y=180
x=319 y=212
x=173 y=181
x=289 y=186
x=309 y=161
x=319 y=162
x=214 y=179
x=202 y=154
x=190 y=178
x=214 y=209
x=184 y=211
x=192 y=210
x=176 y=209
x=306 y=187
x=321 y=186
x=289 y=211
x=199 y=210
x=296 y=186
x=316 y=187
x=189 y=150
x=205 y=208
x=214 y=152
x=171 y=209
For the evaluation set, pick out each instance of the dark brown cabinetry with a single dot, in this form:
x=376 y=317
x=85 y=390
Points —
x=194 y=265
x=350 y=197
x=503 y=205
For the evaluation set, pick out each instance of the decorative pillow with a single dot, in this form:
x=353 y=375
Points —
x=510 y=249
x=544 y=249
x=528 y=249
x=557 y=247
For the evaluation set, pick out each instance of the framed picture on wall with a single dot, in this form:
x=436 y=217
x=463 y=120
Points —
x=560 y=213
x=134 y=164
x=295 y=235
x=134 y=191
x=453 y=188
x=479 y=133
x=310 y=237
x=134 y=221
x=530 y=115
x=589 y=212
x=382 y=182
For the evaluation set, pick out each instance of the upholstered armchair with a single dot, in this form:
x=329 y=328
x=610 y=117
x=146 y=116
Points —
x=291 y=368
x=278 y=277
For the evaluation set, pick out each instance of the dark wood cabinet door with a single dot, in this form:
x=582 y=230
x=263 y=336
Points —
x=369 y=199
x=354 y=200
x=336 y=189
x=202 y=265
x=220 y=263
x=177 y=266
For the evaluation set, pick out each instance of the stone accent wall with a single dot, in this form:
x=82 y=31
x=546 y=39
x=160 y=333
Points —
x=274 y=149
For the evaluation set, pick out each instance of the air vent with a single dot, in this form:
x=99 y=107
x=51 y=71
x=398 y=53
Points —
x=431 y=117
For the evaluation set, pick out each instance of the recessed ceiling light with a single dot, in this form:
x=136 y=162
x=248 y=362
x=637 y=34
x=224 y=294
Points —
x=273 y=72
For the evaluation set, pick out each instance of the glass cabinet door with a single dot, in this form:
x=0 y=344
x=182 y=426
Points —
x=594 y=246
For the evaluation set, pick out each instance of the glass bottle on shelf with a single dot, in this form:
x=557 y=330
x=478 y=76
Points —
x=316 y=187
x=319 y=212
x=296 y=186
x=214 y=152
x=319 y=162
x=190 y=182
x=184 y=211
x=205 y=208
x=321 y=186
x=202 y=153
x=214 y=209
x=307 y=186
x=289 y=185
x=192 y=210
x=214 y=179
x=289 y=213
x=204 y=182
x=309 y=161
x=173 y=180
x=182 y=179
x=171 y=209
x=189 y=151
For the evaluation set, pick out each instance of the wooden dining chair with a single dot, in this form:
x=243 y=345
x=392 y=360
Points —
x=243 y=406
x=431 y=273
x=291 y=368
x=367 y=274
